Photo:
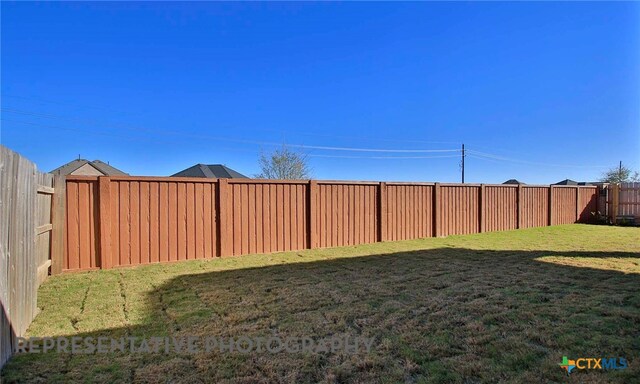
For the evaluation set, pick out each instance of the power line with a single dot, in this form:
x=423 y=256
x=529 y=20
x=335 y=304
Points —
x=489 y=156
x=116 y=136
x=383 y=157
x=76 y=106
x=372 y=149
x=468 y=152
x=45 y=101
x=255 y=142
x=155 y=131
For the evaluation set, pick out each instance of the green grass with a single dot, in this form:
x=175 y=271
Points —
x=495 y=307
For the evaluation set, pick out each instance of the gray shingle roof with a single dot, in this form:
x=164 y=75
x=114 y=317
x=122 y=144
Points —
x=101 y=166
x=212 y=171
x=514 y=181
x=571 y=182
x=566 y=182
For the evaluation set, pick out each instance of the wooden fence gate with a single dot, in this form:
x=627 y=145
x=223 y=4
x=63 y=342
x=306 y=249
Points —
x=31 y=231
x=624 y=202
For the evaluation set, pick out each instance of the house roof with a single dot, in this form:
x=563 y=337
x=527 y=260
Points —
x=514 y=181
x=213 y=171
x=101 y=166
x=566 y=182
x=572 y=182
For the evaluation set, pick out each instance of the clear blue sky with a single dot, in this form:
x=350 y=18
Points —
x=155 y=88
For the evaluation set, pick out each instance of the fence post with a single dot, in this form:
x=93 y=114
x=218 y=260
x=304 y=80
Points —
x=577 y=204
x=223 y=211
x=313 y=214
x=382 y=211
x=519 y=207
x=482 y=207
x=550 y=205
x=615 y=199
x=104 y=221
x=58 y=221
x=436 y=210
x=597 y=193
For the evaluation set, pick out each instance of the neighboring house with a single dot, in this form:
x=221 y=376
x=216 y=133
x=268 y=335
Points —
x=572 y=182
x=566 y=182
x=211 y=171
x=513 y=182
x=82 y=167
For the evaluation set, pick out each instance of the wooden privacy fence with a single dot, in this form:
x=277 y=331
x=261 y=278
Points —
x=121 y=221
x=30 y=232
x=624 y=201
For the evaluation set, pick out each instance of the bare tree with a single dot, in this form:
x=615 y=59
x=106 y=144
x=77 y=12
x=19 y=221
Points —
x=620 y=174
x=284 y=164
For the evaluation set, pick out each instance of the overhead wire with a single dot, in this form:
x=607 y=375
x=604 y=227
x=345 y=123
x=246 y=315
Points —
x=470 y=152
x=256 y=142
x=382 y=157
x=490 y=156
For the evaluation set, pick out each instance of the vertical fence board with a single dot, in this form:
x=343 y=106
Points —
x=104 y=215
x=115 y=222
x=73 y=235
x=313 y=214
x=273 y=221
x=259 y=209
x=267 y=217
x=225 y=207
x=207 y=221
x=160 y=235
x=134 y=214
x=59 y=224
x=144 y=222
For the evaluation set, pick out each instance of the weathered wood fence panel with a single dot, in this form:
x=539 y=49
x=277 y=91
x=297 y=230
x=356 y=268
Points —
x=44 y=223
x=120 y=221
x=624 y=201
x=26 y=236
x=629 y=200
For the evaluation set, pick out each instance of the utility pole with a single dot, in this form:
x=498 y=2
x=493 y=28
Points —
x=620 y=170
x=462 y=163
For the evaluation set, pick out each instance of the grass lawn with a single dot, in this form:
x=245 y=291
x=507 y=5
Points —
x=491 y=307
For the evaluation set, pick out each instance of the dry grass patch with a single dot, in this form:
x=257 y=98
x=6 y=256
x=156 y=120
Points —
x=482 y=308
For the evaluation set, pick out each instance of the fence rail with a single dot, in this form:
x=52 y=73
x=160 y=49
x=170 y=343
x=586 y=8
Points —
x=124 y=220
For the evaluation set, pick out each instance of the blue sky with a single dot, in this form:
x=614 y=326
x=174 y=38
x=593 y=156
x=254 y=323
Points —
x=540 y=91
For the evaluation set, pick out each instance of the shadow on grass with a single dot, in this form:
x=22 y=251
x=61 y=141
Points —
x=437 y=315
